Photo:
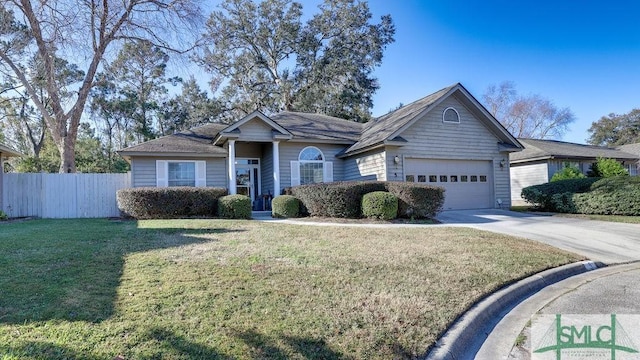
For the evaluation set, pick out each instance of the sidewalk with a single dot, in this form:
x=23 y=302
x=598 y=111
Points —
x=613 y=289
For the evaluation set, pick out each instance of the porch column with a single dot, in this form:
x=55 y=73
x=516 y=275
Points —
x=232 y=167
x=276 y=169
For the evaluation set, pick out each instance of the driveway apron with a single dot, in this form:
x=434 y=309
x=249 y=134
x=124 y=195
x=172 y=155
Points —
x=607 y=242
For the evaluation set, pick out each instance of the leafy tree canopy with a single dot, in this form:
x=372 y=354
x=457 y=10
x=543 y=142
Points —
x=264 y=56
x=614 y=129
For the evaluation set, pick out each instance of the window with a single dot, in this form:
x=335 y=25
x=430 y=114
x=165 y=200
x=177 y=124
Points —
x=464 y=178
x=454 y=178
x=483 y=178
x=443 y=178
x=422 y=178
x=311 y=167
x=450 y=115
x=433 y=178
x=474 y=178
x=180 y=173
x=410 y=178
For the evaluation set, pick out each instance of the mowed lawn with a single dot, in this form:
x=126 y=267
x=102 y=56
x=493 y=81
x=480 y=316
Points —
x=215 y=289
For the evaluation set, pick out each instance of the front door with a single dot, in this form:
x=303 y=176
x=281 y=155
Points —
x=248 y=178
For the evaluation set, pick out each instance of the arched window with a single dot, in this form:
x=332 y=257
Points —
x=450 y=115
x=311 y=162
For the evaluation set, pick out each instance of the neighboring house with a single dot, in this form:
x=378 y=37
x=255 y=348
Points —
x=447 y=139
x=5 y=153
x=540 y=159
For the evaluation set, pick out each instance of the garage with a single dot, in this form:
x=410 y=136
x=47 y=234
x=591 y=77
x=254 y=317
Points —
x=468 y=183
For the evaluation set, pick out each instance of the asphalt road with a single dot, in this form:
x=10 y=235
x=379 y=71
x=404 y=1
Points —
x=607 y=242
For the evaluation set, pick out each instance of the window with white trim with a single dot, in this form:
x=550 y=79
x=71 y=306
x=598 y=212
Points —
x=311 y=167
x=180 y=173
x=450 y=115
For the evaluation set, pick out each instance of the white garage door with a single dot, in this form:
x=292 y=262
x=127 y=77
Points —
x=468 y=183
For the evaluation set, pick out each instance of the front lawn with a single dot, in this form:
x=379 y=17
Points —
x=208 y=289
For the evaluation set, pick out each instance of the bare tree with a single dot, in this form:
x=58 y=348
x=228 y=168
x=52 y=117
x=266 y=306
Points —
x=529 y=116
x=85 y=31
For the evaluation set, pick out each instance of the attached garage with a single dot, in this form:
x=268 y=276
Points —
x=468 y=183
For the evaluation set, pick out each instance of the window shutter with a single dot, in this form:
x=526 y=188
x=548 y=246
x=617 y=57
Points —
x=295 y=173
x=327 y=171
x=201 y=173
x=162 y=173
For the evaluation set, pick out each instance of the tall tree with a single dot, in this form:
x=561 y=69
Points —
x=66 y=29
x=531 y=116
x=614 y=129
x=192 y=107
x=26 y=124
x=268 y=59
x=138 y=77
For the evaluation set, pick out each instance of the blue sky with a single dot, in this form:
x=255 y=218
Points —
x=584 y=55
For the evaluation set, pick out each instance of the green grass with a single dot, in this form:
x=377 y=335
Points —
x=214 y=289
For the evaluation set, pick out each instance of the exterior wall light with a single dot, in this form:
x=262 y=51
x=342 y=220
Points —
x=396 y=159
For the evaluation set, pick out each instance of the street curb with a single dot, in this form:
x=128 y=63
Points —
x=466 y=335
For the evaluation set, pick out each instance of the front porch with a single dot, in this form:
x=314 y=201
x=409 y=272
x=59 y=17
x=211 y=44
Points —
x=254 y=171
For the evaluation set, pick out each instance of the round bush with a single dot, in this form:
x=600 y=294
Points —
x=380 y=205
x=285 y=206
x=234 y=207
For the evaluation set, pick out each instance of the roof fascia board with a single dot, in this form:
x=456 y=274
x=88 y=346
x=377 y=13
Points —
x=424 y=112
x=170 y=154
x=360 y=151
x=259 y=115
x=322 y=141
x=496 y=124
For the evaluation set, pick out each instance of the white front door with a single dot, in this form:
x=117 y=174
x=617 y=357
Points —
x=248 y=178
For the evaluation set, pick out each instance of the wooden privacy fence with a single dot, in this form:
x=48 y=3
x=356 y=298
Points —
x=62 y=195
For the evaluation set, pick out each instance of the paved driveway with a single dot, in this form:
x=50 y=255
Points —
x=607 y=242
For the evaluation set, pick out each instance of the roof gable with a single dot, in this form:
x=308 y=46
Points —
x=255 y=115
x=393 y=124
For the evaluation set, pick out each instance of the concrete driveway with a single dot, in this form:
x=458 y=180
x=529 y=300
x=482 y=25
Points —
x=607 y=242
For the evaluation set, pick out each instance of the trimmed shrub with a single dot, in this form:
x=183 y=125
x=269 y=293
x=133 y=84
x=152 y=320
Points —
x=606 y=168
x=611 y=196
x=234 y=207
x=417 y=200
x=568 y=172
x=3 y=215
x=168 y=202
x=542 y=195
x=344 y=199
x=285 y=206
x=380 y=205
x=336 y=199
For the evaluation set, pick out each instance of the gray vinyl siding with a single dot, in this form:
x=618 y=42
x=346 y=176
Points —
x=289 y=151
x=527 y=175
x=266 y=169
x=255 y=130
x=143 y=171
x=431 y=138
x=367 y=166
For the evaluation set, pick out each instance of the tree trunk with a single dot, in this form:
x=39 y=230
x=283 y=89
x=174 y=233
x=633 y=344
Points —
x=68 y=155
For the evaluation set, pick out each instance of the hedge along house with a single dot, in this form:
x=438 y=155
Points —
x=446 y=139
x=541 y=159
x=5 y=153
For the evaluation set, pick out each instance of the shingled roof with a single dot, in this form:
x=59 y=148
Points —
x=318 y=126
x=6 y=151
x=357 y=136
x=193 y=142
x=535 y=149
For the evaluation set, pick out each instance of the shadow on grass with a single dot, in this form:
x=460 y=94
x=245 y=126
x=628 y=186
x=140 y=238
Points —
x=71 y=269
x=265 y=348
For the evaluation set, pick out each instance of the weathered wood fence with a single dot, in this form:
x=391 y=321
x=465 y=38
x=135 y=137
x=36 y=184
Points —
x=62 y=195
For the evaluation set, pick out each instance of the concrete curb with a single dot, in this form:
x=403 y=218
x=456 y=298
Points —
x=464 y=338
